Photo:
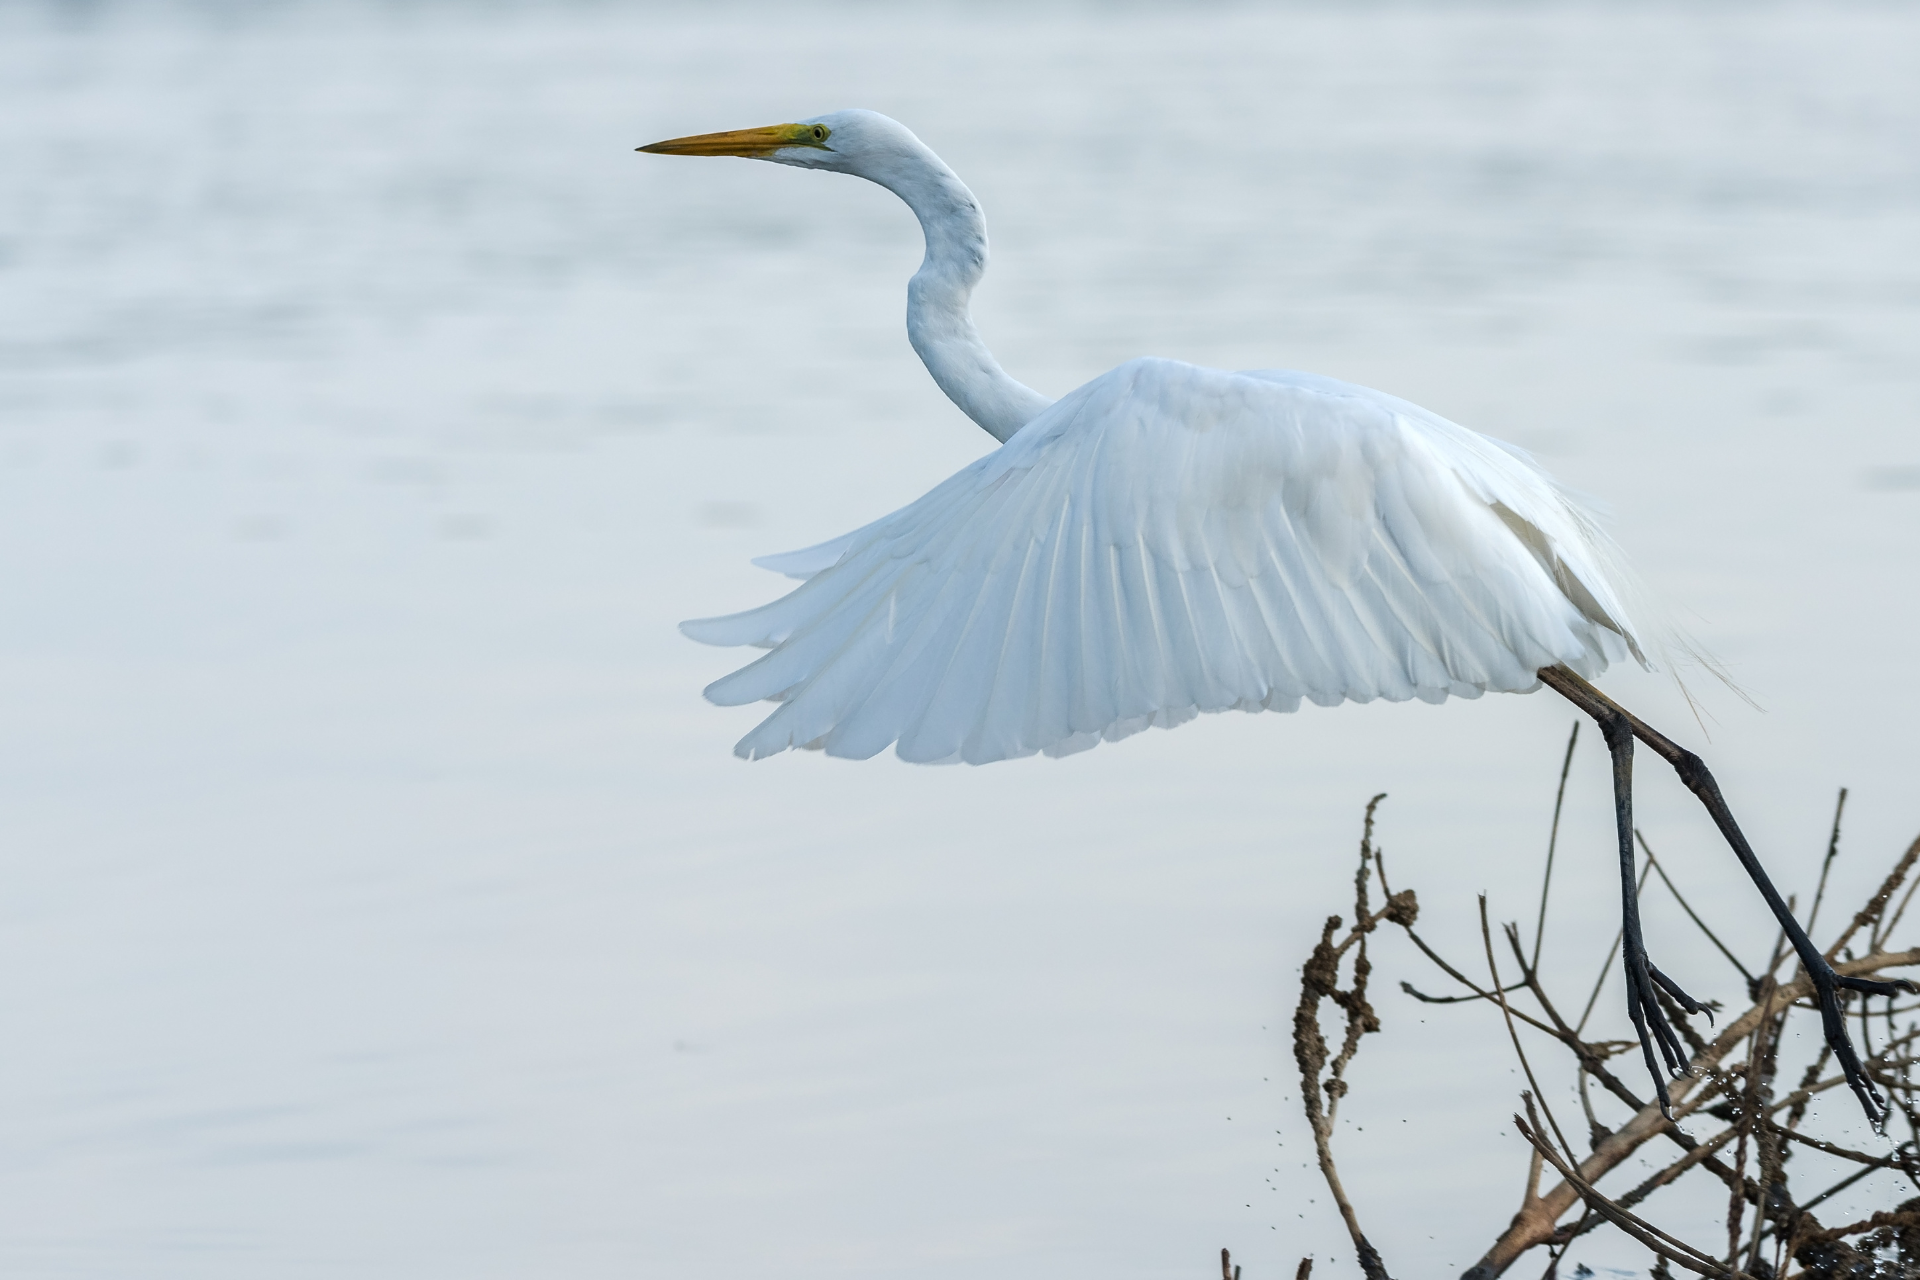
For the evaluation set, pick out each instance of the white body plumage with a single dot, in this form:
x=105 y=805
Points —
x=1163 y=541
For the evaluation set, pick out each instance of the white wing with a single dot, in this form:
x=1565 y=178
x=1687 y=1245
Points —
x=1169 y=540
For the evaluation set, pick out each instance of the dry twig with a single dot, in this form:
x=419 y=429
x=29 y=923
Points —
x=1765 y=1227
x=1320 y=980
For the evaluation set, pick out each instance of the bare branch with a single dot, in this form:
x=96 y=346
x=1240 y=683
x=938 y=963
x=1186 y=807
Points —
x=1553 y=839
x=1424 y=998
x=1513 y=1032
x=1826 y=865
x=1647 y=1121
x=1320 y=980
x=1878 y=902
x=1691 y=913
x=1850 y=1179
x=1668 y=1247
x=1895 y=1157
x=1739 y=1097
x=1885 y=930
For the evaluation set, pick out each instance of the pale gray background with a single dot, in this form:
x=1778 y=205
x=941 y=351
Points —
x=379 y=899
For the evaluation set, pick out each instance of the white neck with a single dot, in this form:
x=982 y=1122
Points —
x=938 y=323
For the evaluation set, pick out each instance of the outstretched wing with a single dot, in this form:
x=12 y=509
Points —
x=1169 y=540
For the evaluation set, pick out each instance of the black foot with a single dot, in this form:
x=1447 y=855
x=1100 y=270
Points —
x=1680 y=997
x=1827 y=986
x=1650 y=1020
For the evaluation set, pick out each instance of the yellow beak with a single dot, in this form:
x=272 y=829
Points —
x=742 y=142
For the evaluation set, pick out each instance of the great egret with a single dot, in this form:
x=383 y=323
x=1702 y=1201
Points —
x=1168 y=540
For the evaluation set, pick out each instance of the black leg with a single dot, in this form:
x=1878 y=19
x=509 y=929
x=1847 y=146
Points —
x=1643 y=1006
x=1693 y=773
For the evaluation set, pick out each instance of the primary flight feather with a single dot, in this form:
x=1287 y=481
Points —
x=1169 y=540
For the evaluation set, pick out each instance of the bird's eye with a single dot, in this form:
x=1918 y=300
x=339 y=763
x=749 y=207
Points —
x=820 y=132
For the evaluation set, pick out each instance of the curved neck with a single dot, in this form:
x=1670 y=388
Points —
x=938 y=322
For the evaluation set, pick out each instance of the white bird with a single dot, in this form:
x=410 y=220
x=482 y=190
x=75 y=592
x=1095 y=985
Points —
x=1170 y=539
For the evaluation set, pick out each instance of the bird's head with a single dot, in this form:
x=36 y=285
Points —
x=864 y=143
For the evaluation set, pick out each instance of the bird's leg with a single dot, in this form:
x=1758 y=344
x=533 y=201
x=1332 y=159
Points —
x=1643 y=1005
x=1826 y=983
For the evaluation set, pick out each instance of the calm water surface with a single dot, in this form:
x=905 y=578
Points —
x=380 y=899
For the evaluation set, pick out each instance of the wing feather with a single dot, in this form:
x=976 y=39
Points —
x=1169 y=540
